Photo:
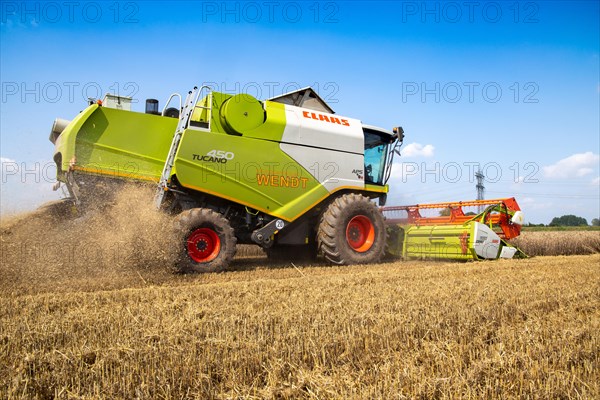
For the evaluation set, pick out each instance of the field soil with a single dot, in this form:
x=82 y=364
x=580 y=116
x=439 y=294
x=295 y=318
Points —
x=92 y=310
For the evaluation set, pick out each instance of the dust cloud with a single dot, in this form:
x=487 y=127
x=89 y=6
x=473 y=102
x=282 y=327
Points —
x=109 y=245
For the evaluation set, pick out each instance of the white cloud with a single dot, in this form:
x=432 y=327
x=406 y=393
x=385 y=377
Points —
x=577 y=165
x=8 y=167
x=6 y=160
x=596 y=181
x=417 y=150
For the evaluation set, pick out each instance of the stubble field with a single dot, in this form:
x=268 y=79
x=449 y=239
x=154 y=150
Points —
x=102 y=319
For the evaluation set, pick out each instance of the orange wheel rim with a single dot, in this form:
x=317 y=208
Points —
x=203 y=245
x=360 y=233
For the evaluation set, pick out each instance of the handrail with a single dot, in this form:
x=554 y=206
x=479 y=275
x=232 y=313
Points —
x=207 y=107
x=169 y=102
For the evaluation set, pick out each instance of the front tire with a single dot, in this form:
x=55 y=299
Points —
x=207 y=241
x=352 y=231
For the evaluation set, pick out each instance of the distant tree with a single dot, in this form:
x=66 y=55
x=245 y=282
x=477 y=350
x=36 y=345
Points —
x=568 y=220
x=596 y=222
x=445 y=212
x=532 y=224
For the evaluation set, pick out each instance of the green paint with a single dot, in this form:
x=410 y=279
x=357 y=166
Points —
x=64 y=148
x=241 y=113
x=258 y=174
x=439 y=242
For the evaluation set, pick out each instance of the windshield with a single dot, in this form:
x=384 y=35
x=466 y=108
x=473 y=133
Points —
x=375 y=157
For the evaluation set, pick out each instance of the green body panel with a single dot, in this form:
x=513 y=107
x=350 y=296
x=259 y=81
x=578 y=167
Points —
x=119 y=143
x=446 y=242
x=201 y=114
x=259 y=174
x=271 y=129
x=65 y=143
x=369 y=187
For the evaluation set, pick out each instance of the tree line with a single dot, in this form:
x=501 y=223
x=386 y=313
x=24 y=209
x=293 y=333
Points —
x=569 y=220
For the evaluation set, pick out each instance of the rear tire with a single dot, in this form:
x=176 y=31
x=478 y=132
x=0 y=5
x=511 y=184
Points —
x=352 y=231
x=207 y=241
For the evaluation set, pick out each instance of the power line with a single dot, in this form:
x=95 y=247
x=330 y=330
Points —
x=455 y=188
x=555 y=195
x=541 y=182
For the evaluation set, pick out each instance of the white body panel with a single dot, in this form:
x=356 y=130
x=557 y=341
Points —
x=316 y=129
x=118 y=102
x=330 y=147
x=487 y=242
x=333 y=169
x=508 y=252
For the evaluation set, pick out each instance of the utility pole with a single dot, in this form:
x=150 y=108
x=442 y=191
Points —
x=480 y=188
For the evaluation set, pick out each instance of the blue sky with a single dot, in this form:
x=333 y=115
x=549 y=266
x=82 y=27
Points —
x=512 y=87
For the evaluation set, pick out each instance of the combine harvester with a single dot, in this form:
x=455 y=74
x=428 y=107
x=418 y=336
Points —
x=286 y=174
x=455 y=235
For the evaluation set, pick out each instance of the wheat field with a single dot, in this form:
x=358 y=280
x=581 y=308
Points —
x=92 y=310
x=559 y=243
x=502 y=329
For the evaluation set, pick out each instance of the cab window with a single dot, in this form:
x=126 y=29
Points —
x=375 y=157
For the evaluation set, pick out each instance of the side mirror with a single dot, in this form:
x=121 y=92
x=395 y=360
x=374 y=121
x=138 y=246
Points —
x=399 y=132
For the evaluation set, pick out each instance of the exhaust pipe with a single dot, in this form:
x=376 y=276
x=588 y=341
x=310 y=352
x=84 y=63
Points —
x=152 y=107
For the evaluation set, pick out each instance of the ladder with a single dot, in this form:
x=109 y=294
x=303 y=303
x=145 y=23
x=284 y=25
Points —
x=186 y=113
